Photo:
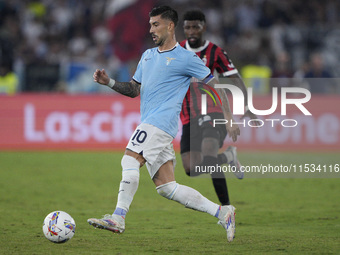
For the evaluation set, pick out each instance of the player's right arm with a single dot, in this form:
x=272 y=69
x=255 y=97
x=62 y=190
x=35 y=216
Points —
x=130 y=89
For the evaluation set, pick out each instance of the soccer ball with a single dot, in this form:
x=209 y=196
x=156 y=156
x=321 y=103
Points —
x=59 y=227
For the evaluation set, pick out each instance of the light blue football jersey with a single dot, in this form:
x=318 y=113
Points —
x=165 y=78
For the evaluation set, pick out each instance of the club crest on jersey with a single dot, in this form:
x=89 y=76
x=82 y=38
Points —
x=204 y=59
x=168 y=60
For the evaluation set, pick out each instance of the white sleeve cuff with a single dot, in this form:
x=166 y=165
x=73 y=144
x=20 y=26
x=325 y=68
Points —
x=111 y=83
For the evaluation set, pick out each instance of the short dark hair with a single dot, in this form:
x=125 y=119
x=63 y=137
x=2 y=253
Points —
x=166 y=12
x=194 y=15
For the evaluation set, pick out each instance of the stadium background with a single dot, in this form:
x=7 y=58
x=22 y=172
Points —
x=49 y=106
x=50 y=45
x=49 y=50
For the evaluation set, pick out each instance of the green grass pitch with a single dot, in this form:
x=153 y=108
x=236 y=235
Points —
x=274 y=215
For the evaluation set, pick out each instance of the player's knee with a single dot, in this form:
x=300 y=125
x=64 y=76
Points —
x=129 y=162
x=136 y=156
x=211 y=133
x=167 y=190
x=130 y=173
x=210 y=142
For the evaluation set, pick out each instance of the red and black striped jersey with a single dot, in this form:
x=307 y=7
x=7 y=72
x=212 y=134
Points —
x=215 y=58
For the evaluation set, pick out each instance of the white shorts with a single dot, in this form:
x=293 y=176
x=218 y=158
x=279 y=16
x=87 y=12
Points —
x=154 y=145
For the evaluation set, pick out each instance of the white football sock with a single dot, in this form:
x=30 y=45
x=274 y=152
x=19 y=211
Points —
x=129 y=184
x=188 y=197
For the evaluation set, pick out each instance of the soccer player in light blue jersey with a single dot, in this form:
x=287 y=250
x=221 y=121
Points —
x=162 y=79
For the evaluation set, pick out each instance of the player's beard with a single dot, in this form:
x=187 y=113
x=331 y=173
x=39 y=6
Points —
x=195 y=43
x=159 y=40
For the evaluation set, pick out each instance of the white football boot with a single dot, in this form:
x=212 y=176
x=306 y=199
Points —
x=233 y=162
x=227 y=220
x=114 y=223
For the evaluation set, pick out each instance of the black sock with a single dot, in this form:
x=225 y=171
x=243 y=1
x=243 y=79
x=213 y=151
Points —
x=222 y=159
x=218 y=179
x=221 y=190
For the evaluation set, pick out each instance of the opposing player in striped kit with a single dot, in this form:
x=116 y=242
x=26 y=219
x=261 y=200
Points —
x=200 y=141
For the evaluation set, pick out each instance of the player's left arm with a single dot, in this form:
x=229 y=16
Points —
x=225 y=66
x=195 y=67
x=236 y=79
x=232 y=128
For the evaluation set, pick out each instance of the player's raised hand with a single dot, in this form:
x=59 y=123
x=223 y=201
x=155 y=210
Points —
x=101 y=77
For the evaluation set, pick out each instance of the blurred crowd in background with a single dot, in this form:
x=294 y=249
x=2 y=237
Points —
x=55 y=45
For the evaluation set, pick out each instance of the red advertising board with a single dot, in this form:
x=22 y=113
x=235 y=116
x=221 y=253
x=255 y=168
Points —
x=294 y=130
x=105 y=122
x=67 y=122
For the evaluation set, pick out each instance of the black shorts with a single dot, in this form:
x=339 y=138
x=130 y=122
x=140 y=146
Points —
x=192 y=133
